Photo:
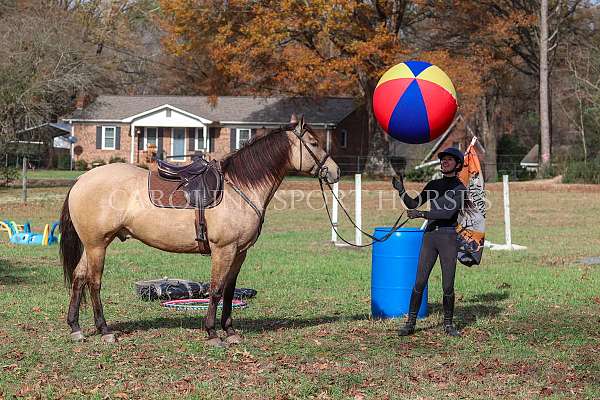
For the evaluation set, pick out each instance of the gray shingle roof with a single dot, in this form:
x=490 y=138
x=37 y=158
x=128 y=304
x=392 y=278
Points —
x=240 y=109
x=532 y=156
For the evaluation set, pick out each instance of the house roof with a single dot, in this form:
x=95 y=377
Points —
x=228 y=109
x=44 y=131
x=531 y=158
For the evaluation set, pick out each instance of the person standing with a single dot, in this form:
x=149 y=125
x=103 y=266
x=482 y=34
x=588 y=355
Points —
x=446 y=198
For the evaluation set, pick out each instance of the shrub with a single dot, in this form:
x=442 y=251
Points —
x=98 y=162
x=8 y=174
x=116 y=159
x=582 y=172
x=63 y=161
x=81 y=165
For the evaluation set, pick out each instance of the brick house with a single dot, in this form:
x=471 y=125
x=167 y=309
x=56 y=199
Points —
x=177 y=127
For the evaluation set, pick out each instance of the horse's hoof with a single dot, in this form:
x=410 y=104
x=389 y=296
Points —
x=109 y=338
x=216 y=342
x=233 y=339
x=77 y=336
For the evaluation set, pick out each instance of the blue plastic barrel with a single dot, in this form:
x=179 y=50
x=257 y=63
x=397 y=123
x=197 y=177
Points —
x=393 y=272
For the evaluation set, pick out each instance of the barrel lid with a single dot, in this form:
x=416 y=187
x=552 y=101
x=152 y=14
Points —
x=389 y=228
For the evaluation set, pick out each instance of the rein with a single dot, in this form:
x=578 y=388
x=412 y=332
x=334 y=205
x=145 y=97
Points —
x=319 y=171
x=397 y=224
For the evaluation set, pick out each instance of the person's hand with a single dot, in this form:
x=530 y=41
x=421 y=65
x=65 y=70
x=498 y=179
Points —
x=415 y=214
x=398 y=184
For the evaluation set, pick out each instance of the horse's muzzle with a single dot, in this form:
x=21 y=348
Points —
x=330 y=177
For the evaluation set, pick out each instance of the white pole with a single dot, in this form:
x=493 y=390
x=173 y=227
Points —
x=357 y=210
x=71 y=149
x=24 y=180
x=507 y=235
x=132 y=147
x=334 y=213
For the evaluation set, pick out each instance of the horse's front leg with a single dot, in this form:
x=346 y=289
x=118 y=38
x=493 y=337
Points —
x=222 y=261
x=226 y=321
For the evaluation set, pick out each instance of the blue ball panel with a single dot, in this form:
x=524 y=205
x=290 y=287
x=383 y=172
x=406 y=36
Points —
x=409 y=122
x=417 y=66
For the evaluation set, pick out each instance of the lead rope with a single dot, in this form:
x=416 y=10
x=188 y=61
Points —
x=397 y=224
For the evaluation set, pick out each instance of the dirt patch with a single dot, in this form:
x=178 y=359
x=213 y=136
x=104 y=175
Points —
x=38 y=183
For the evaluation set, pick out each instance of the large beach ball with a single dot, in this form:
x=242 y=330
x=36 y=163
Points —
x=414 y=102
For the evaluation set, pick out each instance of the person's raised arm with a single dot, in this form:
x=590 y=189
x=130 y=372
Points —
x=408 y=201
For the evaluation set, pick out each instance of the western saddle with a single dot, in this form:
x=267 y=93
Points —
x=198 y=185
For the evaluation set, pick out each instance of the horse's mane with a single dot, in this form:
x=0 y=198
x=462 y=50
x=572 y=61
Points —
x=263 y=161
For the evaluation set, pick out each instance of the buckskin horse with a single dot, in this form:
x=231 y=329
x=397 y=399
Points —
x=112 y=201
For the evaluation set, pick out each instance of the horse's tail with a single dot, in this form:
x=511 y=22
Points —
x=71 y=247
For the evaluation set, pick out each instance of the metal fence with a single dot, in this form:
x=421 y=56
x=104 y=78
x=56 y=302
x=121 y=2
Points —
x=506 y=165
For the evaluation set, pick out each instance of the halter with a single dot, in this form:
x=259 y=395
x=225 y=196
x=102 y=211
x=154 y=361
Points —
x=319 y=170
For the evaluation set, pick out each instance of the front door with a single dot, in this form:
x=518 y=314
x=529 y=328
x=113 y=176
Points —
x=178 y=144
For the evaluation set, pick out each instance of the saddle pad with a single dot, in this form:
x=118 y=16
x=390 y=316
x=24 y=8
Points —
x=166 y=194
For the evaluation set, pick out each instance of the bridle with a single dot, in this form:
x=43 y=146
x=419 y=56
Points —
x=319 y=170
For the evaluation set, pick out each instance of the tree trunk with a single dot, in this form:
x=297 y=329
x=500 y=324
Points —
x=544 y=109
x=490 y=142
x=378 y=161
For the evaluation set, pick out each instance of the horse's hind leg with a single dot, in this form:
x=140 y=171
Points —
x=226 y=321
x=79 y=281
x=95 y=261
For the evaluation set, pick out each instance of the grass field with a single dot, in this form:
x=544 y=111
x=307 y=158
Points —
x=530 y=320
x=53 y=174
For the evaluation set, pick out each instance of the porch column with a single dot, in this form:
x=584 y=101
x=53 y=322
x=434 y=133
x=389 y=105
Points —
x=132 y=153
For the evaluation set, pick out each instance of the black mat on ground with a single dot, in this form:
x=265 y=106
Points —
x=177 y=289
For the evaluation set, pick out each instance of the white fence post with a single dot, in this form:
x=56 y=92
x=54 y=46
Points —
x=334 y=213
x=24 y=181
x=508 y=245
x=357 y=209
x=507 y=235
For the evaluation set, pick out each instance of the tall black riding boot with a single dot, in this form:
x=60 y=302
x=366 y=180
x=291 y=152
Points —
x=448 y=304
x=413 y=309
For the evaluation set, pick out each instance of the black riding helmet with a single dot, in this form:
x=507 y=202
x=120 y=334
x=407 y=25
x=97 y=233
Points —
x=456 y=153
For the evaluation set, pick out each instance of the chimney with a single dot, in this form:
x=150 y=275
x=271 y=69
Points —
x=82 y=100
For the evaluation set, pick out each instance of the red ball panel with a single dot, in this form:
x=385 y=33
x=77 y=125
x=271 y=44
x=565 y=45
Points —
x=386 y=97
x=440 y=105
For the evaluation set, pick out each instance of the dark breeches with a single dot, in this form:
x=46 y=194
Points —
x=440 y=242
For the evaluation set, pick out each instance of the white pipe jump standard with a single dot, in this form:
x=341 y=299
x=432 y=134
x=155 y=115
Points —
x=358 y=209
x=334 y=213
x=357 y=213
x=508 y=245
x=507 y=236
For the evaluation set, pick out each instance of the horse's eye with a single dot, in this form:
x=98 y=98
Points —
x=314 y=144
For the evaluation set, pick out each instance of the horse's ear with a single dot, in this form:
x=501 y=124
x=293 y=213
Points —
x=293 y=119
x=301 y=122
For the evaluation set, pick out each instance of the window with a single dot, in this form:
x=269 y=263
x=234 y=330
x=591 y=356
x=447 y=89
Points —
x=108 y=137
x=343 y=138
x=242 y=136
x=150 y=137
x=201 y=142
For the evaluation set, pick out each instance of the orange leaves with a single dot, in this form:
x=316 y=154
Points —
x=314 y=47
